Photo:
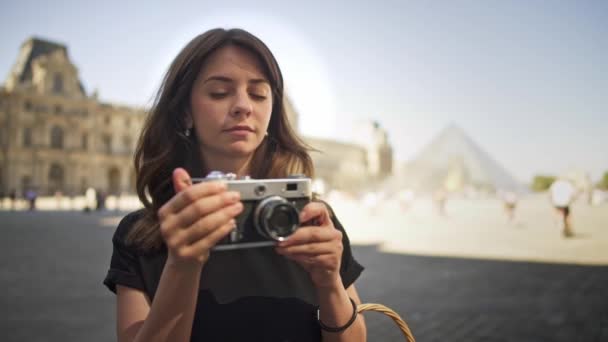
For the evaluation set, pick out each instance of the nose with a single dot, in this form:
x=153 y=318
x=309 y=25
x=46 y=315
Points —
x=242 y=105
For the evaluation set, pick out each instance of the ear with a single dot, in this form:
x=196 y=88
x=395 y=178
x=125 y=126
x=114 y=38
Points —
x=188 y=120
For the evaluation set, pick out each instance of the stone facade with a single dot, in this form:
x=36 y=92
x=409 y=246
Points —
x=55 y=137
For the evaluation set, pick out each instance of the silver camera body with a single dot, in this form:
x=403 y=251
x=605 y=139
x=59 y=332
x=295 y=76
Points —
x=271 y=208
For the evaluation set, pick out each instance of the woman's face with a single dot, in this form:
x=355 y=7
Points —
x=231 y=103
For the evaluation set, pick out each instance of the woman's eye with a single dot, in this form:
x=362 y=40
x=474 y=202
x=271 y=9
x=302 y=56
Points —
x=218 y=95
x=258 y=97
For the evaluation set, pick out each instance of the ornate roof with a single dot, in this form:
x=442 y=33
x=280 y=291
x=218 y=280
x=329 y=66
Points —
x=31 y=49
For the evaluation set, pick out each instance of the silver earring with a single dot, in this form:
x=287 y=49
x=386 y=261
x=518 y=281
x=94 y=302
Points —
x=187 y=132
x=266 y=134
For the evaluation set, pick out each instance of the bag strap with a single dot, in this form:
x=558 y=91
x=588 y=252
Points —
x=390 y=313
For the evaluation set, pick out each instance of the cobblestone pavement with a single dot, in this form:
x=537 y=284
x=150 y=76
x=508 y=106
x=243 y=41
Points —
x=447 y=299
x=52 y=265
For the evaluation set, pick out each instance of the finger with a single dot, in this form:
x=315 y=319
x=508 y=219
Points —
x=311 y=234
x=181 y=179
x=188 y=196
x=203 y=207
x=311 y=249
x=328 y=261
x=205 y=244
x=206 y=225
x=315 y=211
x=305 y=260
x=176 y=235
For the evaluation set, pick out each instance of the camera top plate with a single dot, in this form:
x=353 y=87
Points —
x=257 y=189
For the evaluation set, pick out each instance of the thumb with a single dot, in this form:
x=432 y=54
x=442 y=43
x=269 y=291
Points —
x=181 y=179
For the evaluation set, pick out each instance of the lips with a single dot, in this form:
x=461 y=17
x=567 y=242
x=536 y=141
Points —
x=239 y=128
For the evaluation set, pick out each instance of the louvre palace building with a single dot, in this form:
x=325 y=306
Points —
x=56 y=137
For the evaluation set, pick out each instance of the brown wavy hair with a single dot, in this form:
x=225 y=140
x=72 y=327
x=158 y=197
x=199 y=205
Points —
x=163 y=146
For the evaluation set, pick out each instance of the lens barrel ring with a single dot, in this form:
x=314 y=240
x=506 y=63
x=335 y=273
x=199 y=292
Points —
x=264 y=212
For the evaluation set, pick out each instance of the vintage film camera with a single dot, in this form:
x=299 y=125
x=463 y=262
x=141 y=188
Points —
x=271 y=208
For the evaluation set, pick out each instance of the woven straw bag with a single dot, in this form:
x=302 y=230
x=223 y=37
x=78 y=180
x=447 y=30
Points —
x=390 y=313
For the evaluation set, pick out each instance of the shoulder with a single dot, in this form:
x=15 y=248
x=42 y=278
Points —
x=126 y=225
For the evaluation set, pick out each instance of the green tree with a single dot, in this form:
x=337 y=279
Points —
x=542 y=182
x=603 y=184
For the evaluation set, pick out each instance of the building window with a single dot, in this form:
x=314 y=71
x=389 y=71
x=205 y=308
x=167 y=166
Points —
x=126 y=143
x=57 y=83
x=107 y=143
x=114 y=181
x=28 y=106
x=107 y=120
x=26 y=184
x=57 y=137
x=41 y=109
x=58 y=109
x=132 y=181
x=27 y=137
x=85 y=141
x=83 y=185
x=56 y=178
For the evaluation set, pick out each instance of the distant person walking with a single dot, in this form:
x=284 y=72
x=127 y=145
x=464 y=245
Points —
x=90 y=196
x=100 y=200
x=562 y=194
x=31 y=195
x=440 y=197
x=509 y=198
x=58 y=199
x=13 y=197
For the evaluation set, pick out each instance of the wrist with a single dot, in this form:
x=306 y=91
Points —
x=334 y=304
x=182 y=265
x=331 y=286
x=338 y=328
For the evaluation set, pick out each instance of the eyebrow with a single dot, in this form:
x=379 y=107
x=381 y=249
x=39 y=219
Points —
x=230 y=80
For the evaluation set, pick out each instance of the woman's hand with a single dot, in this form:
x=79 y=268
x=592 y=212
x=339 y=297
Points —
x=318 y=248
x=196 y=218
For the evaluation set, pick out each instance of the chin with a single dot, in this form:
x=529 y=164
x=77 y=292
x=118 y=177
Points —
x=241 y=151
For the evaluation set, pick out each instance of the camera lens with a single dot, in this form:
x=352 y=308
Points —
x=282 y=220
x=276 y=218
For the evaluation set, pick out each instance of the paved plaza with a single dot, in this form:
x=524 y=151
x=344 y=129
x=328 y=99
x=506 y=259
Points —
x=470 y=276
x=479 y=228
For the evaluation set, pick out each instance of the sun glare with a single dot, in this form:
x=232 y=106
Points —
x=307 y=82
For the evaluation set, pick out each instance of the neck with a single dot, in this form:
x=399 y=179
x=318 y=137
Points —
x=227 y=164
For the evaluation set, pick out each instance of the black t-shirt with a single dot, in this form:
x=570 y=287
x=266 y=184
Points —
x=244 y=295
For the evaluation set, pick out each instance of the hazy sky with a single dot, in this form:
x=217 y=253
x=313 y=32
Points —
x=527 y=80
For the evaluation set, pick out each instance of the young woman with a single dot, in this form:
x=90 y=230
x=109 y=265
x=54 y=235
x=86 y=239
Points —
x=221 y=108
